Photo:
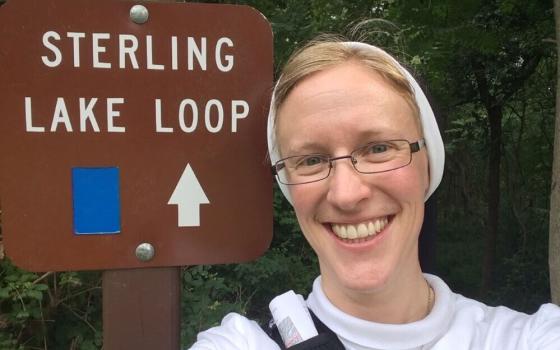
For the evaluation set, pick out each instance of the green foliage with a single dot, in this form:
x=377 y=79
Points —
x=20 y=302
x=54 y=310
x=206 y=299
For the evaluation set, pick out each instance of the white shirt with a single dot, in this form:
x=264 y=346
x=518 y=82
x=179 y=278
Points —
x=455 y=322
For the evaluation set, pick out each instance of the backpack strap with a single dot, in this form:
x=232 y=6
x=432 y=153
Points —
x=272 y=331
x=325 y=340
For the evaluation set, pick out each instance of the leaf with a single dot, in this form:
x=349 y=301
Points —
x=41 y=287
x=4 y=293
x=88 y=345
x=416 y=60
x=35 y=294
x=23 y=314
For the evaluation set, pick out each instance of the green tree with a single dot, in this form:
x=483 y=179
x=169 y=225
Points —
x=479 y=57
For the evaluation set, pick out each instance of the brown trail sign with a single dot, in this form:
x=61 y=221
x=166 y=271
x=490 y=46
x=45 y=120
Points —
x=132 y=135
x=115 y=133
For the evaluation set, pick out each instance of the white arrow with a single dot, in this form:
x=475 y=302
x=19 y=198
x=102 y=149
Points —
x=188 y=196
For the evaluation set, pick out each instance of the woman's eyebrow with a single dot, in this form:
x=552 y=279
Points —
x=309 y=148
x=306 y=147
x=375 y=134
x=361 y=138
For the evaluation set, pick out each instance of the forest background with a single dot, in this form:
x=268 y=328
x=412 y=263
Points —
x=489 y=67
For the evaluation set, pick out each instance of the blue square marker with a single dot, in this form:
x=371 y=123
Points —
x=96 y=200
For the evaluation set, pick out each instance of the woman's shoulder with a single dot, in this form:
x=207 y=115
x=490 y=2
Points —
x=486 y=313
x=502 y=325
x=493 y=327
x=236 y=332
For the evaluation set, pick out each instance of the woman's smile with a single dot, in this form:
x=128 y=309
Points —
x=361 y=232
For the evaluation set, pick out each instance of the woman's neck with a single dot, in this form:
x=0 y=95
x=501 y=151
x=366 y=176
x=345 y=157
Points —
x=405 y=299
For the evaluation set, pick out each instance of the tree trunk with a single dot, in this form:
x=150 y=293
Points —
x=495 y=118
x=494 y=110
x=554 y=229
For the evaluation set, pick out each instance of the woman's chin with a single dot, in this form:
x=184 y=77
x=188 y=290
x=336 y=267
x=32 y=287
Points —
x=358 y=280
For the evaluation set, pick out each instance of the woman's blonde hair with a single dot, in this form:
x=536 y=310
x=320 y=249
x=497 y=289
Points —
x=328 y=50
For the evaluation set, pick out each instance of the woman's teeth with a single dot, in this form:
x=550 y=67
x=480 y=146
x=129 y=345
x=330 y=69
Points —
x=361 y=230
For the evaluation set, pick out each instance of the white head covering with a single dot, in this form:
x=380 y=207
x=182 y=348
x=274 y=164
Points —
x=432 y=137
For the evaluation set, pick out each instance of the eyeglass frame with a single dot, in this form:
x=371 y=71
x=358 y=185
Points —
x=415 y=147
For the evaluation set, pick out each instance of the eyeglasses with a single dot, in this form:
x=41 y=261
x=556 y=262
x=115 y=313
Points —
x=375 y=157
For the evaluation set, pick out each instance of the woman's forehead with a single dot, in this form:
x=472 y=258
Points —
x=335 y=91
x=338 y=87
x=347 y=96
x=331 y=100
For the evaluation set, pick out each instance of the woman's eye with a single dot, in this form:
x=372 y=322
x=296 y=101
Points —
x=378 y=148
x=310 y=161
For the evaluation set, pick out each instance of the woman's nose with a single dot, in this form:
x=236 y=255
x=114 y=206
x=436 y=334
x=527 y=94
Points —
x=347 y=188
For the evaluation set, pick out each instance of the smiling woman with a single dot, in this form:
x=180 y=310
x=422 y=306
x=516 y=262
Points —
x=336 y=111
x=356 y=150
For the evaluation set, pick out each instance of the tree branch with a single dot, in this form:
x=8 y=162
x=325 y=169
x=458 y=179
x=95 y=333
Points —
x=45 y=275
x=528 y=68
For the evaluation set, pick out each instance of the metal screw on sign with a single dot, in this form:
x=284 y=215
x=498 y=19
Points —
x=139 y=14
x=145 y=252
